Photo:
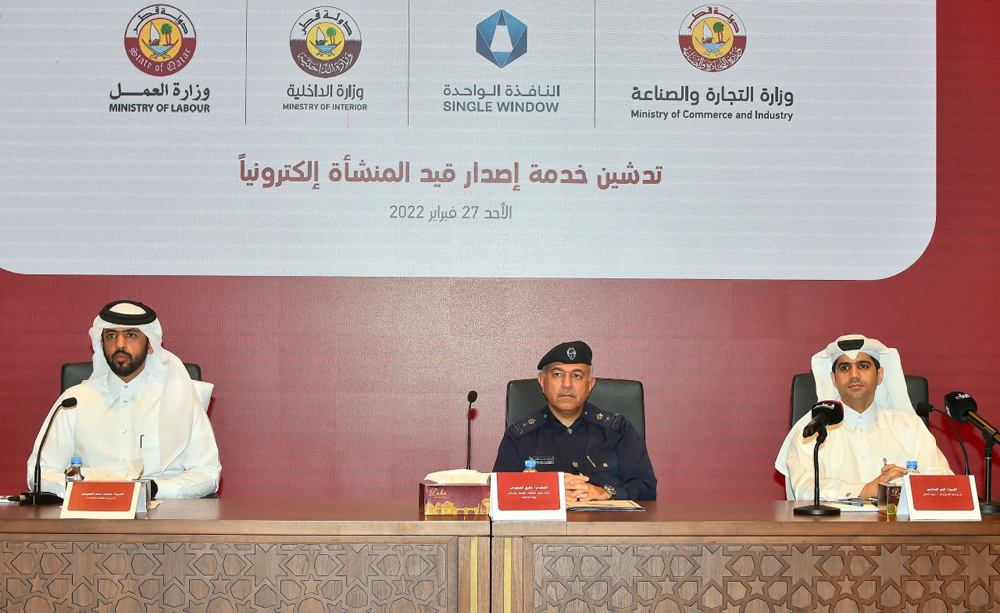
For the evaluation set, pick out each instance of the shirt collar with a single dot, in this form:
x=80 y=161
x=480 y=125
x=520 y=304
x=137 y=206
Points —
x=135 y=386
x=861 y=421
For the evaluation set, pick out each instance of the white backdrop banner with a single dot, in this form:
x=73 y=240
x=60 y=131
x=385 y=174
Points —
x=751 y=140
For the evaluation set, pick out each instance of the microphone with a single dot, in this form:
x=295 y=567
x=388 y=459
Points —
x=924 y=409
x=468 y=432
x=825 y=413
x=36 y=495
x=962 y=407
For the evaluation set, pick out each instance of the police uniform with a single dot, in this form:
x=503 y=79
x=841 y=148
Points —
x=600 y=445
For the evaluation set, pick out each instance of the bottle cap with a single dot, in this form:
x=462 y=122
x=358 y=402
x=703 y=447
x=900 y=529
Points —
x=529 y=463
x=911 y=465
x=76 y=460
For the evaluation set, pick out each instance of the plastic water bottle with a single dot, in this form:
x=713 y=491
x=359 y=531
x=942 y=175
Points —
x=529 y=466
x=75 y=470
x=911 y=467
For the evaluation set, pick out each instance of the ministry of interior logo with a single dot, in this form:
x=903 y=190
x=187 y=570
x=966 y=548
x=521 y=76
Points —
x=501 y=38
x=160 y=40
x=712 y=38
x=325 y=42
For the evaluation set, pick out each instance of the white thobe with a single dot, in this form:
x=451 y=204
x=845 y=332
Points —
x=858 y=448
x=115 y=423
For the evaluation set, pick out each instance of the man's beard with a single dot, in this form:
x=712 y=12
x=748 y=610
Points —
x=126 y=369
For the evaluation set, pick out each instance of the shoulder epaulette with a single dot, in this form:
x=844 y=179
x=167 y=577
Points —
x=520 y=428
x=615 y=421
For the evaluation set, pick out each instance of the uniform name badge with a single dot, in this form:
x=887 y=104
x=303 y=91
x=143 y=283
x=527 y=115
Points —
x=527 y=496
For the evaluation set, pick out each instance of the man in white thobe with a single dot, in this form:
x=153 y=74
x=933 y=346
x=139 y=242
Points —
x=139 y=408
x=880 y=433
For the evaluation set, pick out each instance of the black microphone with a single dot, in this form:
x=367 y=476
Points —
x=825 y=413
x=962 y=407
x=468 y=433
x=926 y=408
x=36 y=495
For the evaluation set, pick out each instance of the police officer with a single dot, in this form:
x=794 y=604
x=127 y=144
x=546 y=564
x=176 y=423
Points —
x=601 y=454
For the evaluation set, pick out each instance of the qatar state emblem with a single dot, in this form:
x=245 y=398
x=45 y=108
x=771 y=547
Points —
x=712 y=38
x=160 y=40
x=325 y=42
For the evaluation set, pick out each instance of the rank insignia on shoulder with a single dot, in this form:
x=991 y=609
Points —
x=600 y=416
x=531 y=421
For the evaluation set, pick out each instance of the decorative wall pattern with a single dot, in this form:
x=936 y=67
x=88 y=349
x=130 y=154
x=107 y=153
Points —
x=749 y=578
x=106 y=577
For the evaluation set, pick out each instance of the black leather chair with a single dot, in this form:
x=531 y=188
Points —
x=524 y=397
x=74 y=373
x=804 y=394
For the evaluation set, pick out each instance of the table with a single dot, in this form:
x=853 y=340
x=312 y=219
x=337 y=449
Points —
x=304 y=556
x=744 y=556
x=239 y=555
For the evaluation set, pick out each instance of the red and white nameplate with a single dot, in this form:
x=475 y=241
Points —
x=527 y=496
x=101 y=499
x=939 y=497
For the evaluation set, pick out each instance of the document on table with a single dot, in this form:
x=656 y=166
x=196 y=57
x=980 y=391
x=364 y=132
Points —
x=605 y=505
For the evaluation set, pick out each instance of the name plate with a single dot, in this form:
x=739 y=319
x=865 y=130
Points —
x=101 y=499
x=527 y=496
x=939 y=497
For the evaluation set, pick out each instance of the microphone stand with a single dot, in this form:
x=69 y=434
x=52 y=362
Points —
x=816 y=508
x=990 y=506
x=36 y=496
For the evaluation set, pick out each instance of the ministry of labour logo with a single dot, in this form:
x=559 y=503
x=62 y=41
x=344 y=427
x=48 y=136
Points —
x=160 y=40
x=325 y=42
x=501 y=38
x=712 y=38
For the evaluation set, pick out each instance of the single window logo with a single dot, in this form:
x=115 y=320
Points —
x=501 y=38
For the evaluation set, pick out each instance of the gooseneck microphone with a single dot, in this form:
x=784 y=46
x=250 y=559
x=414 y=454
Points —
x=963 y=408
x=824 y=413
x=468 y=432
x=36 y=495
x=926 y=408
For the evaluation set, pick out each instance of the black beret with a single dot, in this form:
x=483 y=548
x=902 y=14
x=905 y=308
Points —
x=575 y=352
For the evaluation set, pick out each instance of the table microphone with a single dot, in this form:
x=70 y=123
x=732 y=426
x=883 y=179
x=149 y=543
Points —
x=36 y=495
x=825 y=413
x=962 y=407
x=468 y=433
x=926 y=408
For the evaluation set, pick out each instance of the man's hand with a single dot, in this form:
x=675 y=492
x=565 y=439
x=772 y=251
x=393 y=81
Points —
x=579 y=490
x=889 y=473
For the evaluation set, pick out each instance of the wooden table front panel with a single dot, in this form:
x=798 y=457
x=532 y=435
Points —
x=674 y=575
x=756 y=559
x=113 y=566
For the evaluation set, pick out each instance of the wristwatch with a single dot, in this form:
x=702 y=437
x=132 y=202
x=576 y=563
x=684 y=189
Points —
x=610 y=489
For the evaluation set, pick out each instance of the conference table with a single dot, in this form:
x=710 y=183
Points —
x=367 y=555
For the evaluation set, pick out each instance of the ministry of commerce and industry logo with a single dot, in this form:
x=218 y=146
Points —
x=712 y=38
x=325 y=42
x=160 y=40
x=501 y=38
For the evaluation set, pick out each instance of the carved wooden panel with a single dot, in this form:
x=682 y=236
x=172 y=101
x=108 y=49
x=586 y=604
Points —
x=229 y=576
x=748 y=578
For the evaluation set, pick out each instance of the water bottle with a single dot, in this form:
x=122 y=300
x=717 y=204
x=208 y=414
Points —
x=911 y=467
x=75 y=470
x=529 y=466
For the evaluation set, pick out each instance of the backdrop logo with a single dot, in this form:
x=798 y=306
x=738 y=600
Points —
x=160 y=40
x=325 y=42
x=712 y=38
x=501 y=38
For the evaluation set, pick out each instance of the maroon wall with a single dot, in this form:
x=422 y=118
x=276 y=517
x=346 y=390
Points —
x=353 y=388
